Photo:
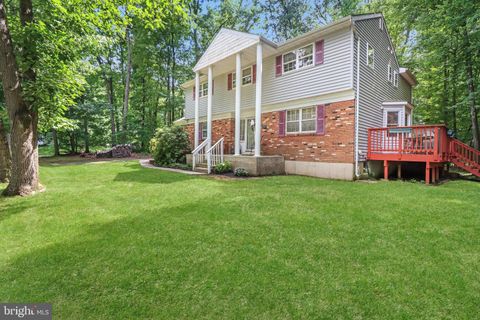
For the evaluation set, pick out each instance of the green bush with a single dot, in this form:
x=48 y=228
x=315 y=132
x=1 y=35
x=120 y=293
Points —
x=170 y=145
x=241 y=172
x=223 y=167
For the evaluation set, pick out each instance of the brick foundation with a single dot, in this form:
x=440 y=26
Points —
x=336 y=145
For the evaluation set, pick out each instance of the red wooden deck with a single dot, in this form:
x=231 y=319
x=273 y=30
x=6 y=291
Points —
x=428 y=143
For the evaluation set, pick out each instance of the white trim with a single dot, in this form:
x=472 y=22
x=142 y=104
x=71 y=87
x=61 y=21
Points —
x=209 y=107
x=389 y=72
x=258 y=101
x=238 y=97
x=197 y=97
x=357 y=109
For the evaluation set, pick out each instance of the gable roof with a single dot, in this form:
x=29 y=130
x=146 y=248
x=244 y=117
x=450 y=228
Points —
x=226 y=43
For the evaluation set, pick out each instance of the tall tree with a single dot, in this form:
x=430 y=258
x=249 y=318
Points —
x=23 y=117
x=4 y=153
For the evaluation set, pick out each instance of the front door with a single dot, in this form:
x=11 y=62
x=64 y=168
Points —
x=250 y=134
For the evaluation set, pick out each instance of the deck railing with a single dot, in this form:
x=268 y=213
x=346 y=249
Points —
x=410 y=142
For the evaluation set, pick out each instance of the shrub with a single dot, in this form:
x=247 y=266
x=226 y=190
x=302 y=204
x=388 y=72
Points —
x=170 y=145
x=223 y=167
x=241 y=172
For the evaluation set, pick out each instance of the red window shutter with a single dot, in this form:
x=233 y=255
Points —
x=321 y=119
x=193 y=92
x=229 y=81
x=254 y=73
x=281 y=123
x=278 y=66
x=319 y=49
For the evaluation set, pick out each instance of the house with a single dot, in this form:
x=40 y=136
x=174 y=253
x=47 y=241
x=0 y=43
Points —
x=305 y=104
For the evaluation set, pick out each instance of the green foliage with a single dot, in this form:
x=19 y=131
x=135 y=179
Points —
x=223 y=167
x=241 y=172
x=170 y=145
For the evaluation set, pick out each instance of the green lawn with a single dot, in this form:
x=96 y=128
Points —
x=117 y=241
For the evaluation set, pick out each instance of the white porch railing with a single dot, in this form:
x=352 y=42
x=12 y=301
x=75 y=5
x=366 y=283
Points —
x=215 y=155
x=199 y=154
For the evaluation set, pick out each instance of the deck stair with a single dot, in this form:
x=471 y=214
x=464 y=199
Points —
x=464 y=156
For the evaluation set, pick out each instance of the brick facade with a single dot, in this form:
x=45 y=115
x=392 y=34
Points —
x=220 y=128
x=336 y=145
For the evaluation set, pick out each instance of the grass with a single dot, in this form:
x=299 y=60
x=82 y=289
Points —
x=117 y=241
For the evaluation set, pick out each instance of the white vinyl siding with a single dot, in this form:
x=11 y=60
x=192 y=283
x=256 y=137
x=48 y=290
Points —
x=333 y=75
x=374 y=89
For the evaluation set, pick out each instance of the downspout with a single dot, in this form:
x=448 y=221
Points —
x=357 y=108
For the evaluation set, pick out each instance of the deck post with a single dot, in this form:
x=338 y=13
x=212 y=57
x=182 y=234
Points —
x=399 y=171
x=385 y=169
x=427 y=173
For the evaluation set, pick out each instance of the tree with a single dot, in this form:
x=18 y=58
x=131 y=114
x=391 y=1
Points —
x=24 y=177
x=4 y=153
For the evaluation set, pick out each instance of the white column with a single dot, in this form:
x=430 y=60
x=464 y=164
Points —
x=197 y=90
x=209 y=107
x=258 y=100
x=238 y=96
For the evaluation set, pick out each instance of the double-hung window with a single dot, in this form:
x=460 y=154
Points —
x=301 y=120
x=203 y=89
x=395 y=78
x=370 y=56
x=389 y=73
x=246 y=77
x=203 y=130
x=298 y=58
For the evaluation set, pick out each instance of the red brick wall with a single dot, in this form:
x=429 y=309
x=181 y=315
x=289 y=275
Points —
x=220 y=128
x=336 y=145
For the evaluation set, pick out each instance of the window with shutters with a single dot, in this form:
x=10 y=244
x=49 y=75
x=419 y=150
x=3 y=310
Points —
x=246 y=77
x=298 y=58
x=203 y=92
x=301 y=120
x=370 y=56
x=389 y=73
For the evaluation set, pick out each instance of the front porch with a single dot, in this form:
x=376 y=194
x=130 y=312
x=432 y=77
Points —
x=255 y=165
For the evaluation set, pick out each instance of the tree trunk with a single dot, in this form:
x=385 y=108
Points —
x=56 y=148
x=85 y=133
x=142 y=120
x=127 y=87
x=471 y=94
x=73 y=143
x=24 y=178
x=5 y=158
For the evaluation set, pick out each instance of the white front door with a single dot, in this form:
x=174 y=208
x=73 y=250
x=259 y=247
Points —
x=247 y=135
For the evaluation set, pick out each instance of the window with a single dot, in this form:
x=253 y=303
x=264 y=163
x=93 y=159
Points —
x=392 y=118
x=370 y=56
x=203 y=130
x=297 y=59
x=247 y=76
x=203 y=89
x=389 y=75
x=301 y=120
x=380 y=23
x=395 y=78
x=242 y=130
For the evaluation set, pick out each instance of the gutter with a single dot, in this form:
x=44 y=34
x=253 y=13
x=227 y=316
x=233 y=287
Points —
x=357 y=108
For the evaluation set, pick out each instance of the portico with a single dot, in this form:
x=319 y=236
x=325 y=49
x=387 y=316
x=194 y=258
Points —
x=223 y=56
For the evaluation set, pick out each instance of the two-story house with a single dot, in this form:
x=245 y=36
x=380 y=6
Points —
x=309 y=99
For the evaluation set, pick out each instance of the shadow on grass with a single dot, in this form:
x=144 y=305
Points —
x=9 y=209
x=145 y=175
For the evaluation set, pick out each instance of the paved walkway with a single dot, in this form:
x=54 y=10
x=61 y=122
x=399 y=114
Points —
x=146 y=164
